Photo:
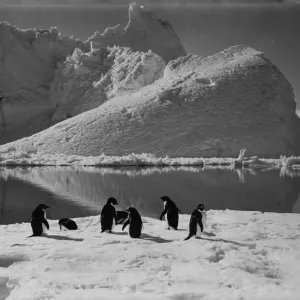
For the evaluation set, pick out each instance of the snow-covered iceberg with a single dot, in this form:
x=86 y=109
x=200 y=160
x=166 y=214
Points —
x=119 y=98
x=37 y=69
x=209 y=107
x=86 y=80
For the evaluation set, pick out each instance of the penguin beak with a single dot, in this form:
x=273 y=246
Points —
x=46 y=206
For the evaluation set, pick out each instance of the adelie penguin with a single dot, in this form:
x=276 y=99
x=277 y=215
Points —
x=108 y=215
x=39 y=223
x=197 y=222
x=171 y=211
x=67 y=224
x=135 y=223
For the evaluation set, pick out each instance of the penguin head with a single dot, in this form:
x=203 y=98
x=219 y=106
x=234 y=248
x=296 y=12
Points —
x=42 y=206
x=201 y=207
x=132 y=211
x=112 y=201
x=165 y=198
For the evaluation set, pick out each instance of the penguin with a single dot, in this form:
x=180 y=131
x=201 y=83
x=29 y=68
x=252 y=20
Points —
x=67 y=224
x=171 y=211
x=121 y=216
x=197 y=222
x=108 y=215
x=135 y=223
x=39 y=223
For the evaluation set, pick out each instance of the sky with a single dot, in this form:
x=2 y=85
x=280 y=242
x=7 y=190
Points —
x=47 y=2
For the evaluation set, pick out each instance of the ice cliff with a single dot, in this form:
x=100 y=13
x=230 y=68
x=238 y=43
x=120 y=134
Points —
x=209 y=107
x=43 y=73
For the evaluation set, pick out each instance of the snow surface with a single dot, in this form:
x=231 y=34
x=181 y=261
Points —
x=243 y=255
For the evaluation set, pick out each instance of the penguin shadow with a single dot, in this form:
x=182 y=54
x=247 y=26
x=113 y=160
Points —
x=209 y=233
x=62 y=238
x=155 y=239
x=120 y=233
x=226 y=241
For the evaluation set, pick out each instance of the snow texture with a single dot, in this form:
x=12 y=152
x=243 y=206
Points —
x=86 y=80
x=202 y=107
x=242 y=255
x=39 y=69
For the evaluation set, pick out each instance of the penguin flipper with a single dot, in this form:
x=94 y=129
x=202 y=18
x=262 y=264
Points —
x=162 y=214
x=200 y=224
x=125 y=224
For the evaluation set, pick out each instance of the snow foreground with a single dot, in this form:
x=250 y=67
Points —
x=242 y=255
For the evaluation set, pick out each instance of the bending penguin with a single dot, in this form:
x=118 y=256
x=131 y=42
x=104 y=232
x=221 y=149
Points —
x=135 y=223
x=39 y=223
x=67 y=224
x=108 y=215
x=121 y=216
x=197 y=222
x=171 y=211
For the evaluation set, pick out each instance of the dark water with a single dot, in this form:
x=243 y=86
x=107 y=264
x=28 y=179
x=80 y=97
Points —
x=82 y=192
x=204 y=29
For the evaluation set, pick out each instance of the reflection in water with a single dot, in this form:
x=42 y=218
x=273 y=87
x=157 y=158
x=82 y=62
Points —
x=82 y=191
x=296 y=207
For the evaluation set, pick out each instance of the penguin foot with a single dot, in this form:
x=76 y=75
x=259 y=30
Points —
x=198 y=237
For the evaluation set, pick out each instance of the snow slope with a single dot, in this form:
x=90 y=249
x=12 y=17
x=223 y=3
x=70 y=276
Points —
x=32 y=92
x=202 y=107
x=86 y=80
x=243 y=255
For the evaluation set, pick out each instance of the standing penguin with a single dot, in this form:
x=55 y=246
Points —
x=108 y=215
x=67 y=224
x=197 y=222
x=135 y=223
x=171 y=211
x=39 y=223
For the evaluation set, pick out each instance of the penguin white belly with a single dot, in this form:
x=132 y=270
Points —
x=166 y=219
x=43 y=225
x=198 y=232
x=204 y=220
x=166 y=216
x=44 y=228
